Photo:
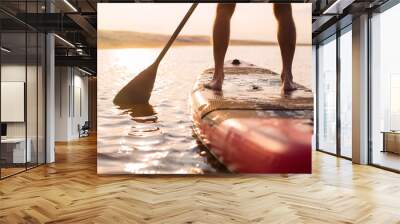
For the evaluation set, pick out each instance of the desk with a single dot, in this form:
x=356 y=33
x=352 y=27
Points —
x=15 y=148
x=391 y=141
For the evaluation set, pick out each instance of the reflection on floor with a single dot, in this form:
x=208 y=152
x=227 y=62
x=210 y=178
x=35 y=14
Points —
x=387 y=159
x=11 y=169
x=70 y=191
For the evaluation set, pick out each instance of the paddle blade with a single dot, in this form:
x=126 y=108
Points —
x=138 y=90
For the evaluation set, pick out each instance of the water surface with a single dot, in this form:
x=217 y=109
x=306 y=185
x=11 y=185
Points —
x=158 y=138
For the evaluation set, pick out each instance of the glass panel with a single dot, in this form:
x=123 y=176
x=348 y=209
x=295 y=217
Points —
x=41 y=98
x=385 y=84
x=327 y=96
x=13 y=87
x=346 y=94
x=17 y=6
x=32 y=88
x=31 y=98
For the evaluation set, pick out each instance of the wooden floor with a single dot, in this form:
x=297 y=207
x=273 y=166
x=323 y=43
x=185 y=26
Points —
x=5 y=172
x=387 y=159
x=70 y=191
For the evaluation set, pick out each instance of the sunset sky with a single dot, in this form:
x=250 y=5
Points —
x=254 y=21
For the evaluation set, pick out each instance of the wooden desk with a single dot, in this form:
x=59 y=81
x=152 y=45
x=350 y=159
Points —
x=391 y=141
x=13 y=150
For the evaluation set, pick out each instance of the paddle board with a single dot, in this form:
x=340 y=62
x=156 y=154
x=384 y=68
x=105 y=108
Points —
x=251 y=126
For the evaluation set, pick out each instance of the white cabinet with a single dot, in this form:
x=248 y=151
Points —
x=17 y=148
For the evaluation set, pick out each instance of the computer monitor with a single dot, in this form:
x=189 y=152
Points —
x=3 y=129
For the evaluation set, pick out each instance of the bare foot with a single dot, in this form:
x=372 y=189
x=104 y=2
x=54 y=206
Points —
x=214 y=85
x=216 y=82
x=287 y=82
x=288 y=86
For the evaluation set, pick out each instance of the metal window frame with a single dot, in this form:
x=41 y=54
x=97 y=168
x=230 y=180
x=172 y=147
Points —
x=381 y=9
x=337 y=35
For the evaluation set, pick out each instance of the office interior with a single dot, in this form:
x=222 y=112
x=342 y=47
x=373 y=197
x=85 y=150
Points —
x=48 y=155
x=357 y=83
x=48 y=77
x=48 y=80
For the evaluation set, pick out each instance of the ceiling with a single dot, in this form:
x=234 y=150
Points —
x=76 y=20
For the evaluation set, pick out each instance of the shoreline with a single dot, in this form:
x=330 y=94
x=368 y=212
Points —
x=156 y=45
x=127 y=39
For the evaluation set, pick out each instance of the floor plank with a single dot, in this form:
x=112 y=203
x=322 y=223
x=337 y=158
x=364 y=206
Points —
x=70 y=191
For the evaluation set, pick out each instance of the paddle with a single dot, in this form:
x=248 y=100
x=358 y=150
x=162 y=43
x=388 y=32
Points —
x=138 y=90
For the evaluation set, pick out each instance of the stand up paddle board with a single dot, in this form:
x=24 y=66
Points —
x=250 y=126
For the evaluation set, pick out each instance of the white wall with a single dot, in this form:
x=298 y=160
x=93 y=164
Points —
x=62 y=82
x=14 y=73
x=70 y=83
x=81 y=108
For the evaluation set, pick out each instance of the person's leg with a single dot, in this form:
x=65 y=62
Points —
x=287 y=42
x=221 y=32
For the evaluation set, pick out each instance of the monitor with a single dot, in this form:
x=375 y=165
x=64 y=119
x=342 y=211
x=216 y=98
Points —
x=3 y=129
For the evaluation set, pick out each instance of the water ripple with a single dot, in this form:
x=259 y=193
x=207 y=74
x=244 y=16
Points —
x=157 y=138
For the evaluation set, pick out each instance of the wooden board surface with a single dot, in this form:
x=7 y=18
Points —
x=248 y=86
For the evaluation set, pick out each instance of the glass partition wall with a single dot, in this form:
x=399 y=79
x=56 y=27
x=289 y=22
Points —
x=13 y=89
x=22 y=98
x=334 y=104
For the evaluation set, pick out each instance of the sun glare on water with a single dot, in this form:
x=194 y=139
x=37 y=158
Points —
x=137 y=59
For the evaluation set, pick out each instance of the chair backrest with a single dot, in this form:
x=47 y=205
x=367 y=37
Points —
x=86 y=125
x=3 y=129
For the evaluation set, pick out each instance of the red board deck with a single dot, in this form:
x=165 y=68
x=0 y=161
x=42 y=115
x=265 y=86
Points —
x=251 y=126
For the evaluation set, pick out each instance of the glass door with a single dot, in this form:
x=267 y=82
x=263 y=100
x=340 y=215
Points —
x=385 y=89
x=345 y=93
x=326 y=105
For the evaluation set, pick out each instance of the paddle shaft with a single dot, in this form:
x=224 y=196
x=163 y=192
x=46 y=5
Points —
x=175 y=34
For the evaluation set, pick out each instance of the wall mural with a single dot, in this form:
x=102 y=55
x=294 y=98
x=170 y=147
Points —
x=204 y=88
